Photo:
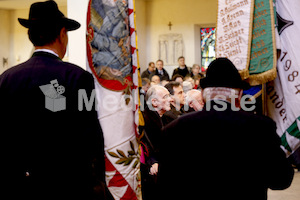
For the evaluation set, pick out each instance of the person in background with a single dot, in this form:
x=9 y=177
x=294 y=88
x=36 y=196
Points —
x=226 y=149
x=191 y=80
x=197 y=81
x=182 y=70
x=49 y=148
x=147 y=72
x=164 y=82
x=196 y=70
x=155 y=80
x=160 y=71
x=178 y=78
x=145 y=86
x=193 y=101
x=178 y=96
x=187 y=86
x=158 y=102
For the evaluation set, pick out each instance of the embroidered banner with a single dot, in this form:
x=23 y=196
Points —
x=283 y=98
x=113 y=60
x=263 y=58
x=234 y=32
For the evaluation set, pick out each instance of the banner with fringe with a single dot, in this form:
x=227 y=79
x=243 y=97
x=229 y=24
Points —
x=263 y=58
x=113 y=59
x=234 y=32
x=283 y=94
x=246 y=35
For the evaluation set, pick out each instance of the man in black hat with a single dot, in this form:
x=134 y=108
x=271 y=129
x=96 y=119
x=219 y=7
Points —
x=225 y=153
x=49 y=148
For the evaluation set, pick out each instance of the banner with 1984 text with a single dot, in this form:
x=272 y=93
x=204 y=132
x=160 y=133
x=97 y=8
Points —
x=283 y=94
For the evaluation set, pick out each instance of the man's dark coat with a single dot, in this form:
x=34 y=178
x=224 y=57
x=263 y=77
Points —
x=152 y=140
x=164 y=77
x=222 y=155
x=45 y=154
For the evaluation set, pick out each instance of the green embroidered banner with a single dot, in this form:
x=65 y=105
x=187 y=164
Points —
x=263 y=47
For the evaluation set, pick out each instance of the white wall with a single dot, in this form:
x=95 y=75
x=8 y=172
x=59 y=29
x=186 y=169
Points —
x=77 y=10
x=21 y=46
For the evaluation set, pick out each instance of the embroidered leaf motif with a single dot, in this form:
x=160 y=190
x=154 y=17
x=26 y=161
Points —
x=126 y=160
x=135 y=163
x=121 y=161
x=132 y=146
x=121 y=153
x=113 y=154
x=131 y=153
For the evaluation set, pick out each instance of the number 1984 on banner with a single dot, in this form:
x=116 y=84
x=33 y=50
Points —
x=292 y=74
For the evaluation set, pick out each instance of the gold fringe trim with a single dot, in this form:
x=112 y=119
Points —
x=244 y=73
x=259 y=79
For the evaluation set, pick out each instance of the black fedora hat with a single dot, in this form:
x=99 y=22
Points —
x=47 y=13
x=222 y=73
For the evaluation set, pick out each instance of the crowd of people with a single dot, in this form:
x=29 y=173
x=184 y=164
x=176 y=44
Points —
x=156 y=74
x=190 y=135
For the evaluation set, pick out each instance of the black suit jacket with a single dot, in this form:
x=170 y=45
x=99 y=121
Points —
x=45 y=154
x=183 y=72
x=153 y=134
x=164 y=77
x=222 y=155
x=172 y=114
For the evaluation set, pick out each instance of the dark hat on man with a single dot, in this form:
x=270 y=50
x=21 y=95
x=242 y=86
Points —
x=47 y=14
x=222 y=73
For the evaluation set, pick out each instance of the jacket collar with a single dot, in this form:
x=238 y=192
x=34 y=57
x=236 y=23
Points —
x=45 y=54
x=217 y=105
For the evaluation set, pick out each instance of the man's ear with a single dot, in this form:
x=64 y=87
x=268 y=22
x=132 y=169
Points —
x=63 y=34
x=191 y=104
x=154 y=102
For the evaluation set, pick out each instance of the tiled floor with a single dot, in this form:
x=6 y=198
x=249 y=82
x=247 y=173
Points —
x=291 y=193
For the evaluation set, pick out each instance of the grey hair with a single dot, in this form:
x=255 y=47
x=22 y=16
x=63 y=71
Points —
x=190 y=95
x=151 y=92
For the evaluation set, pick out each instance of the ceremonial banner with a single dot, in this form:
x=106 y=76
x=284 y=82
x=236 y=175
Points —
x=234 y=32
x=283 y=98
x=113 y=60
x=263 y=59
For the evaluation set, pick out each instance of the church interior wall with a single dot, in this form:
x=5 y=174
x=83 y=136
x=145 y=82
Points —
x=5 y=35
x=186 y=17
